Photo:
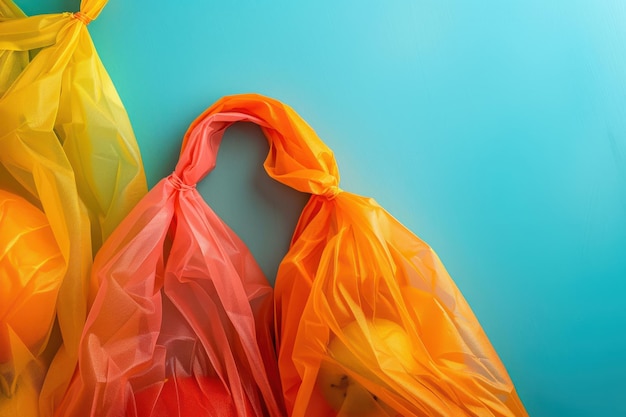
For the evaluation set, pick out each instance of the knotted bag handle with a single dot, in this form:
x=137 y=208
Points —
x=297 y=157
x=23 y=33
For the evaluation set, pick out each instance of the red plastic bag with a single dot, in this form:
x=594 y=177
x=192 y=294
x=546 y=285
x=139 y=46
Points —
x=182 y=316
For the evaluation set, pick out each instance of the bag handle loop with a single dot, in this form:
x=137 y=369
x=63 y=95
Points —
x=297 y=156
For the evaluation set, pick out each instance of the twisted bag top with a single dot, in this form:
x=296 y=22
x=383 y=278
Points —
x=66 y=145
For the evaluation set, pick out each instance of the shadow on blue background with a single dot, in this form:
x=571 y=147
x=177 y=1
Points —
x=495 y=131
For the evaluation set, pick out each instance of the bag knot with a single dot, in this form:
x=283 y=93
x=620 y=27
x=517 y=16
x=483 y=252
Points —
x=332 y=192
x=178 y=183
x=82 y=17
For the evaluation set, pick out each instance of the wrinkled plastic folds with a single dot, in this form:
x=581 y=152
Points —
x=182 y=319
x=67 y=147
x=369 y=323
x=27 y=301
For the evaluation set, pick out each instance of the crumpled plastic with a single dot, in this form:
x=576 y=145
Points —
x=67 y=147
x=369 y=323
x=27 y=302
x=182 y=319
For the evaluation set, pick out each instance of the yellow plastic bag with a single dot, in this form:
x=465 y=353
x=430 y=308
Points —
x=66 y=145
x=369 y=323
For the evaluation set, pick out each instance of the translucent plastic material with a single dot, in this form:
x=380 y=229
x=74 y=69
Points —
x=369 y=323
x=31 y=267
x=66 y=145
x=182 y=319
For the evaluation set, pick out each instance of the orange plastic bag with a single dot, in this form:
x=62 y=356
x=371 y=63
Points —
x=182 y=318
x=369 y=323
x=66 y=146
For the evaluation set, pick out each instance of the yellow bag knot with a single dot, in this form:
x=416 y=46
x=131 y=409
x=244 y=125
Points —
x=82 y=17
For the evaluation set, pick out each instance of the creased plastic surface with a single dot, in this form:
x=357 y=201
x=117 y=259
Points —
x=369 y=323
x=182 y=318
x=30 y=285
x=66 y=145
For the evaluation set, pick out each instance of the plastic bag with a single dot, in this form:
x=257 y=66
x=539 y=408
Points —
x=369 y=323
x=182 y=318
x=66 y=145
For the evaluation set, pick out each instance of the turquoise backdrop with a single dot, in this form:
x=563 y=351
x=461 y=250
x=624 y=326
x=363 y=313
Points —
x=495 y=130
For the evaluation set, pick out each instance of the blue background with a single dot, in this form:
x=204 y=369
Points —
x=496 y=131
